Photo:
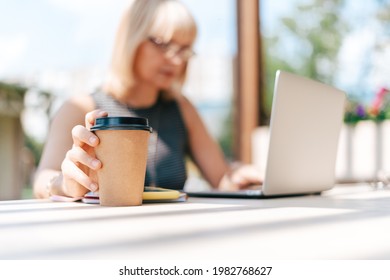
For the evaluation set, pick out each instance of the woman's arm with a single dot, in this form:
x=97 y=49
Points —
x=59 y=142
x=206 y=153
x=209 y=157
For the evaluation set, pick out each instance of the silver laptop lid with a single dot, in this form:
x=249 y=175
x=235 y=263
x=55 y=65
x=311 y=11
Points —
x=306 y=120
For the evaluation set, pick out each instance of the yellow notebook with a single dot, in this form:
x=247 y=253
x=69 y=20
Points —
x=156 y=193
x=151 y=194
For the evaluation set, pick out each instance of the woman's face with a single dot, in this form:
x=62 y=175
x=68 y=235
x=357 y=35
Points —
x=160 y=63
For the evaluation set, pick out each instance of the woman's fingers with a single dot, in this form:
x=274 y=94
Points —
x=245 y=176
x=75 y=176
x=77 y=181
x=80 y=160
x=82 y=135
x=92 y=116
x=78 y=155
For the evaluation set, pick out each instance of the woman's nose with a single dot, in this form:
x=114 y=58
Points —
x=176 y=59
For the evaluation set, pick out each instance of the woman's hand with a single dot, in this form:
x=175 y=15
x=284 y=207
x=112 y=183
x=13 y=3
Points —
x=241 y=176
x=80 y=163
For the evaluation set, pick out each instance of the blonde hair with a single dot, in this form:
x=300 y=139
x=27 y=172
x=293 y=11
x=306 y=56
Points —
x=144 y=18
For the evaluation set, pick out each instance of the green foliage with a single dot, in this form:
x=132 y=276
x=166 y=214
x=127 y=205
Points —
x=10 y=91
x=383 y=16
x=12 y=101
x=316 y=30
x=378 y=111
x=11 y=98
x=35 y=147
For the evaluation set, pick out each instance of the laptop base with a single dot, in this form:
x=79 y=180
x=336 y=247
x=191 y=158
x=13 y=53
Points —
x=243 y=194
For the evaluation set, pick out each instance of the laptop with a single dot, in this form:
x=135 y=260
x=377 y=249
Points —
x=306 y=120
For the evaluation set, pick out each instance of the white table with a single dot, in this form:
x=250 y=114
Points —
x=344 y=223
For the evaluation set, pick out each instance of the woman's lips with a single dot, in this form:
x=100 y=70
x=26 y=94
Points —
x=168 y=73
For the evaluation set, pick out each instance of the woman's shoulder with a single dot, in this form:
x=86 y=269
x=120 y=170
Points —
x=186 y=106
x=188 y=111
x=83 y=103
x=85 y=100
x=76 y=107
x=184 y=103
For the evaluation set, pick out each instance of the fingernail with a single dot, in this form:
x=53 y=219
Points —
x=95 y=163
x=93 y=187
x=92 y=140
x=237 y=181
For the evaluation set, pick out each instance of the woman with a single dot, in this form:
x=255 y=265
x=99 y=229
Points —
x=150 y=55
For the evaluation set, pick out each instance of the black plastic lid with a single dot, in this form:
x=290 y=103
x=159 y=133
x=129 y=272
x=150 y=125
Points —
x=121 y=123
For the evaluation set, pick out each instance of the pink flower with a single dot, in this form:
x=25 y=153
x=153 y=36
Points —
x=378 y=101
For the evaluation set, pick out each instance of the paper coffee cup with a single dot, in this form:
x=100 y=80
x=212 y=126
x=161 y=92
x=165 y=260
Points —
x=123 y=151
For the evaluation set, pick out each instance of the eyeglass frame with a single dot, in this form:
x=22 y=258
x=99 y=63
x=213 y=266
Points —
x=172 y=49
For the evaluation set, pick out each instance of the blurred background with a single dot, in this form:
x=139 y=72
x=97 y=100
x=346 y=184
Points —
x=52 y=49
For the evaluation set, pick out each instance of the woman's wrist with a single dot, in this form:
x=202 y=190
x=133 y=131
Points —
x=226 y=182
x=241 y=176
x=54 y=185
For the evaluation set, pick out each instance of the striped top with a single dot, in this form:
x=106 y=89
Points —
x=168 y=143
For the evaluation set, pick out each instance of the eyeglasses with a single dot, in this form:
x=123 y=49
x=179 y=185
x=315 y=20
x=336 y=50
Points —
x=171 y=49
